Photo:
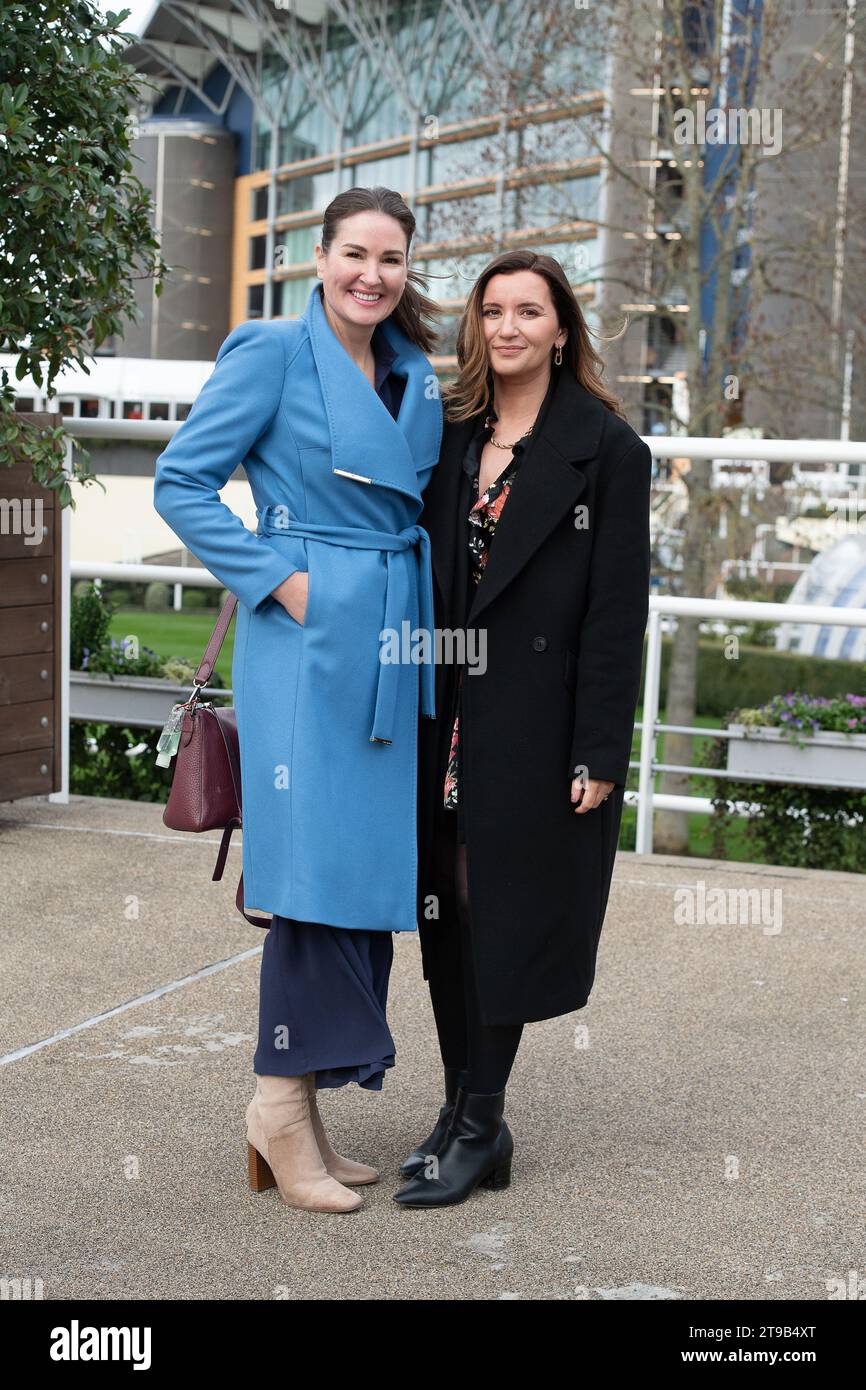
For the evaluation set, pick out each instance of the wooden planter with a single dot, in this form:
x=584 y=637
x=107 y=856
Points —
x=837 y=758
x=30 y=633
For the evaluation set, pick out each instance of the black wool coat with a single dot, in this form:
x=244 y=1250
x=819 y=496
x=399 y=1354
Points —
x=563 y=604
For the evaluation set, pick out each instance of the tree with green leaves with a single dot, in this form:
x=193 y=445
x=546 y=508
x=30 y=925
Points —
x=76 y=224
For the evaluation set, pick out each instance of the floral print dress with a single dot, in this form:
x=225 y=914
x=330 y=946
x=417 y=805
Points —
x=483 y=516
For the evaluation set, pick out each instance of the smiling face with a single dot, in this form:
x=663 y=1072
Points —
x=364 y=271
x=520 y=326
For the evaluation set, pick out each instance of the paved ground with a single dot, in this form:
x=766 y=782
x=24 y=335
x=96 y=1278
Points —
x=696 y=1132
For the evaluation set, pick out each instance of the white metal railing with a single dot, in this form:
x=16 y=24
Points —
x=743 y=610
x=669 y=446
x=661 y=446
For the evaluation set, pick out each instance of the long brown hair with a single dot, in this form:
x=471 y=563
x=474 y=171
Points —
x=415 y=313
x=473 y=389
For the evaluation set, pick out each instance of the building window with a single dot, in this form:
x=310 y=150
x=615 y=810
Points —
x=392 y=172
x=259 y=209
x=657 y=408
x=294 y=295
x=561 y=200
x=295 y=246
x=296 y=195
x=698 y=25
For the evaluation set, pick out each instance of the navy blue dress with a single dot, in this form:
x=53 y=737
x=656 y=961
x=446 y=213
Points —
x=323 y=990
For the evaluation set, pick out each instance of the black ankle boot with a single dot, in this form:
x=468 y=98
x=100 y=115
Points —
x=454 y=1077
x=476 y=1153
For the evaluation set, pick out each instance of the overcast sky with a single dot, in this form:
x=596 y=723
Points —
x=137 y=8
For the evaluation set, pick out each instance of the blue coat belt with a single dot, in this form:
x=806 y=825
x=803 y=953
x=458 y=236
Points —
x=273 y=521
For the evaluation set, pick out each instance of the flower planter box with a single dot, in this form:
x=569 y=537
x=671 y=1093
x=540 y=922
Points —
x=136 y=701
x=836 y=758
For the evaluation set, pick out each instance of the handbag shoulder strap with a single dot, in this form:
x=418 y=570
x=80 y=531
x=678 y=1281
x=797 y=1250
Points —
x=202 y=676
x=234 y=824
x=217 y=637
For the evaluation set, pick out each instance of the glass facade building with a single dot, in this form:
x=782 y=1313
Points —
x=325 y=98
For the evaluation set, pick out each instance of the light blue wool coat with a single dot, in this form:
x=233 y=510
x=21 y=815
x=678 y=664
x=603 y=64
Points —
x=328 y=730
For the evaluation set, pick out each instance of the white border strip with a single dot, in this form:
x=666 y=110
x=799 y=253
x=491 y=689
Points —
x=130 y=1004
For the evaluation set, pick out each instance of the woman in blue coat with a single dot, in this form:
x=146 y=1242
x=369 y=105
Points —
x=337 y=420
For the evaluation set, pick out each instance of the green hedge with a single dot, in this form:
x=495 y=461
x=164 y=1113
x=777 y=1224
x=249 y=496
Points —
x=757 y=675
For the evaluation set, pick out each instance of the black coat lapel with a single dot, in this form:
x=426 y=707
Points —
x=548 y=484
x=441 y=516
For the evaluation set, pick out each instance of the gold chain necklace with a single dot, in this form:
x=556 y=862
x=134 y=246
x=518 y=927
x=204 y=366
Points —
x=489 y=423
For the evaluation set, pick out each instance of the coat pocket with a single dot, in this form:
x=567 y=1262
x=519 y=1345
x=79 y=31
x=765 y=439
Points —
x=310 y=587
x=306 y=610
x=303 y=568
x=315 y=577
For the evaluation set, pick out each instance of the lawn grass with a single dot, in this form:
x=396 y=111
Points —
x=176 y=634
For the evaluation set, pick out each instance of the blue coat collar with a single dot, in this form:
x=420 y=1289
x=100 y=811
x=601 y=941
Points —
x=365 y=439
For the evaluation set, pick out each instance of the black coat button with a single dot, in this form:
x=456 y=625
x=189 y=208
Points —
x=539 y=643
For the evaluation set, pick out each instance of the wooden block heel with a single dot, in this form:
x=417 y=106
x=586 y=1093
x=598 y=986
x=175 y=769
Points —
x=261 y=1177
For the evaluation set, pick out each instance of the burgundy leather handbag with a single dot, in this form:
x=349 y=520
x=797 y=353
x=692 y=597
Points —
x=206 y=785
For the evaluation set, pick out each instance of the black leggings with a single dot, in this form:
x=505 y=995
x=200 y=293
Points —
x=485 y=1051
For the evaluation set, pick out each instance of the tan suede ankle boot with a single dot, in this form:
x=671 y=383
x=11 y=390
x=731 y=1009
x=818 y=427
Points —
x=282 y=1148
x=345 y=1170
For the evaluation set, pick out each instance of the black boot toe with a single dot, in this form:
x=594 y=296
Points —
x=477 y=1152
x=454 y=1078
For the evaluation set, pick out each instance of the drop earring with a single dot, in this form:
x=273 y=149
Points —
x=558 y=357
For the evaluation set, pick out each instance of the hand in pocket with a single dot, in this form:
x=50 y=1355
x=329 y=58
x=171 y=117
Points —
x=293 y=594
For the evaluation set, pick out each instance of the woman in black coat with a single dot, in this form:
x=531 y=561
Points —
x=522 y=773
